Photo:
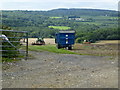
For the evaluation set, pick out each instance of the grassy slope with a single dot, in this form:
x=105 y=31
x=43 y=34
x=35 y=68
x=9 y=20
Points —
x=50 y=48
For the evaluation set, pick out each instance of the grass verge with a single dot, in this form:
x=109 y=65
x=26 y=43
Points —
x=9 y=60
x=50 y=48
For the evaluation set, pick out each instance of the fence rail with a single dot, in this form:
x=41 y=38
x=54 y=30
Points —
x=13 y=43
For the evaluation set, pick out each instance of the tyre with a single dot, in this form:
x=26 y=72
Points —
x=58 y=46
x=70 y=48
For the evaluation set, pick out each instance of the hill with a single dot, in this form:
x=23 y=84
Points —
x=86 y=22
x=81 y=12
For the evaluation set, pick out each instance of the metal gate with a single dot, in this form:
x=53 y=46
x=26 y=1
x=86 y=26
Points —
x=14 y=44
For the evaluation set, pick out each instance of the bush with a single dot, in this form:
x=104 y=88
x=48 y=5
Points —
x=79 y=40
x=113 y=37
x=7 y=46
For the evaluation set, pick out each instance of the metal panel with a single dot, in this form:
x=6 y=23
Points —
x=66 y=38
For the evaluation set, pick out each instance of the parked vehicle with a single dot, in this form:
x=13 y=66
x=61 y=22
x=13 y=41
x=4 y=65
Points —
x=86 y=42
x=65 y=39
x=39 y=41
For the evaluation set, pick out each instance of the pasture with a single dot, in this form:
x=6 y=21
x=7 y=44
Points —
x=55 y=17
x=60 y=27
x=100 y=48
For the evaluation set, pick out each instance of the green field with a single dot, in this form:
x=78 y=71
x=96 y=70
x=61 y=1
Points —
x=50 y=48
x=55 y=17
x=60 y=27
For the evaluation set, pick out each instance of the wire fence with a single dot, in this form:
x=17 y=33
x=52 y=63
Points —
x=14 y=44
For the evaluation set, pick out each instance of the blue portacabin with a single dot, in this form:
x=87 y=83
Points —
x=65 y=39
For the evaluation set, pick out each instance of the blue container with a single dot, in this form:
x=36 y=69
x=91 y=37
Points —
x=65 y=39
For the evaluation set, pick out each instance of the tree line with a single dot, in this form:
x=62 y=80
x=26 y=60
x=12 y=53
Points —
x=94 y=25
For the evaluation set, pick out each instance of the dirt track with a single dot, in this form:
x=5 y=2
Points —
x=50 y=70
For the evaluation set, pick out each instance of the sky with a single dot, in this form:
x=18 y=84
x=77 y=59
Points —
x=54 y=4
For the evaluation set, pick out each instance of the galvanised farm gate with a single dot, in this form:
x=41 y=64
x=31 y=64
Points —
x=13 y=44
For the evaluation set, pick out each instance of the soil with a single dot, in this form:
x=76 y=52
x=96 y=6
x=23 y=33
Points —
x=96 y=67
x=97 y=49
x=51 y=70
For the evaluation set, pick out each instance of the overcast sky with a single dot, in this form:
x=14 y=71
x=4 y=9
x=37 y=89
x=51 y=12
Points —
x=54 y=4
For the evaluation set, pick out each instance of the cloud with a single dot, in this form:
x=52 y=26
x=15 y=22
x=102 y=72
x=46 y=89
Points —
x=60 y=1
x=53 y=4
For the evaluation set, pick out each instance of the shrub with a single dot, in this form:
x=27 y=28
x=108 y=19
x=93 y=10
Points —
x=79 y=40
x=8 y=50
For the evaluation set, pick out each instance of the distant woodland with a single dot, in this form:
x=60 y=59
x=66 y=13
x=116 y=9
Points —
x=89 y=24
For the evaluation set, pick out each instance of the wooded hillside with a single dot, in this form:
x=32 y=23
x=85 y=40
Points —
x=90 y=24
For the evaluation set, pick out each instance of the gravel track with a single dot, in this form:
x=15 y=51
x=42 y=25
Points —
x=51 y=70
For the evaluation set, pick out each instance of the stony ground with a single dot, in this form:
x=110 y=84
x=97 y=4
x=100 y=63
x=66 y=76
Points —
x=97 y=49
x=50 y=70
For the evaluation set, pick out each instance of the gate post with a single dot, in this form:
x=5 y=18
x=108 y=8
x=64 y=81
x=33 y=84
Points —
x=26 y=45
